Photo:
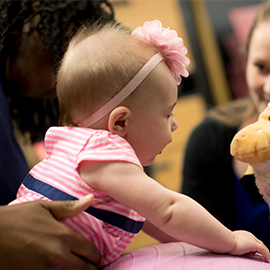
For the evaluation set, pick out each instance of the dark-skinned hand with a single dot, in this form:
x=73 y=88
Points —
x=32 y=237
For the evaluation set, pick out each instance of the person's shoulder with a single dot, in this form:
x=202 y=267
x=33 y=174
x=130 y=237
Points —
x=211 y=128
x=226 y=118
x=216 y=129
x=209 y=123
x=233 y=113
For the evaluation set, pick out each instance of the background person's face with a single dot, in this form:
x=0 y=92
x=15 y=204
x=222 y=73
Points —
x=29 y=69
x=258 y=66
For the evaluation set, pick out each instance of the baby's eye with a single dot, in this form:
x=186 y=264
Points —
x=170 y=115
x=269 y=118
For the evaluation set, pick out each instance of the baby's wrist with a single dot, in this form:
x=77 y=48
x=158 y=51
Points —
x=234 y=243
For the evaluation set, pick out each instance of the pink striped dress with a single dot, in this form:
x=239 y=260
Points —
x=110 y=225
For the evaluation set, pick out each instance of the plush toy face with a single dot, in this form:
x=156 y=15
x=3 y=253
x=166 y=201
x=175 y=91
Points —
x=252 y=143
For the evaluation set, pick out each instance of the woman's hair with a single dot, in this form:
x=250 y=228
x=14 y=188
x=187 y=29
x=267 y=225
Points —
x=262 y=15
x=99 y=62
x=57 y=22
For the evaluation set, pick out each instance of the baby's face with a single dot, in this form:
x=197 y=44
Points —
x=152 y=121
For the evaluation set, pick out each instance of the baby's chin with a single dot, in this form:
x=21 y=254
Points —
x=148 y=162
x=151 y=160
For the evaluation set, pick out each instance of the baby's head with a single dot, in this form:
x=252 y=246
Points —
x=99 y=63
x=124 y=83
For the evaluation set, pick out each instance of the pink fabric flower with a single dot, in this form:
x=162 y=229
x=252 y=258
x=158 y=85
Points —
x=172 y=46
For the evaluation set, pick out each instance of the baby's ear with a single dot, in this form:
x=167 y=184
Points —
x=119 y=120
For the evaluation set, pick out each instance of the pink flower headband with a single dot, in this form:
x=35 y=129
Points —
x=174 y=52
x=172 y=46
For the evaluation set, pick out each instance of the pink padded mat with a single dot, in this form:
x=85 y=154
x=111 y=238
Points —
x=182 y=256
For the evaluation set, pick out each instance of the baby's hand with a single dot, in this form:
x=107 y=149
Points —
x=246 y=242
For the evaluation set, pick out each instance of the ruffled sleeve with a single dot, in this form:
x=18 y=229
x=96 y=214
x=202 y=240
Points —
x=105 y=146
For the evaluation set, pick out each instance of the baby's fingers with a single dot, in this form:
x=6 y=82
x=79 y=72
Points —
x=263 y=250
x=247 y=243
x=259 y=247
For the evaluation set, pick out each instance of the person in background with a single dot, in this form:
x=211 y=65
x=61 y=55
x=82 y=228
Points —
x=33 y=38
x=116 y=94
x=211 y=175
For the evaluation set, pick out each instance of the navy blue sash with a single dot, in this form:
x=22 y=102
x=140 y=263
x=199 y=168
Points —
x=55 y=194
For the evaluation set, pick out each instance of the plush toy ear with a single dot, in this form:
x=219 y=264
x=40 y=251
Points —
x=249 y=184
x=118 y=122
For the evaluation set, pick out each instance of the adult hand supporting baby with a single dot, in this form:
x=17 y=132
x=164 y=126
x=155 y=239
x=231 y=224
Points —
x=31 y=237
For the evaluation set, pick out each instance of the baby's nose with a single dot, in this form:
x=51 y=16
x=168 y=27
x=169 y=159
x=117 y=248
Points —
x=174 y=125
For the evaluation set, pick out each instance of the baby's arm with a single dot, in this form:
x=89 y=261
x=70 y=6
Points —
x=245 y=240
x=157 y=233
x=179 y=216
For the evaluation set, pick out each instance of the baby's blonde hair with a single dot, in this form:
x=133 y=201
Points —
x=99 y=62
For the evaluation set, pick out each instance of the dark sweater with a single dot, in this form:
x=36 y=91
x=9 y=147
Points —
x=13 y=166
x=208 y=178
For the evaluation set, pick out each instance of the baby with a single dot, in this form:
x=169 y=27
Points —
x=117 y=92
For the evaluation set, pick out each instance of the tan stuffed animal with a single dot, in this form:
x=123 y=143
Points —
x=252 y=145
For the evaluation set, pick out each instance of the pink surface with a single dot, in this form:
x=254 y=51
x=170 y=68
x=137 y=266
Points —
x=182 y=256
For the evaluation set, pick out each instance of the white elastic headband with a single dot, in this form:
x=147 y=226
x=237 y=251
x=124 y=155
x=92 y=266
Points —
x=124 y=93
